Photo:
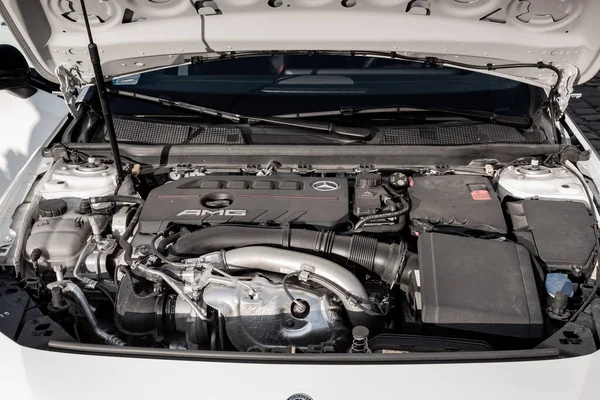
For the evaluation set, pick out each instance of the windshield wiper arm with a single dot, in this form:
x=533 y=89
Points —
x=330 y=128
x=522 y=122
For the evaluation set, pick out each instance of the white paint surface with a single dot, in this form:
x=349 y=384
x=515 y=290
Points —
x=24 y=125
x=36 y=374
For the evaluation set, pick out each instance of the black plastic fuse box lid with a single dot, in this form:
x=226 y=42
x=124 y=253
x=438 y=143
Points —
x=478 y=285
x=458 y=201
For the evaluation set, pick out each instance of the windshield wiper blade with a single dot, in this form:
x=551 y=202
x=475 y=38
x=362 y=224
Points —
x=330 y=128
x=522 y=122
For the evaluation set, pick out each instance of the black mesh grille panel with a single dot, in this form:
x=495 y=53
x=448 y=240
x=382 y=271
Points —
x=149 y=132
x=214 y=136
x=456 y=135
x=157 y=133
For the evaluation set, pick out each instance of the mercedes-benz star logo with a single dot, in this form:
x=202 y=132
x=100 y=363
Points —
x=300 y=396
x=325 y=186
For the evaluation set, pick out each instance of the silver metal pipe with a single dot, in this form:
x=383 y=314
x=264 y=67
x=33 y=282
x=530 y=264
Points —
x=93 y=220
x=58 y=270
x=169 y=281
x=88 y=282
x=70 y=287
x=285 y=262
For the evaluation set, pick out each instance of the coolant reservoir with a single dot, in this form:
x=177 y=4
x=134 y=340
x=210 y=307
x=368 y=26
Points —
x=59 y=234
x=537 y=181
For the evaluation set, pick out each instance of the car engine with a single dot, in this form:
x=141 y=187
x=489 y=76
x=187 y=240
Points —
x=414 y=259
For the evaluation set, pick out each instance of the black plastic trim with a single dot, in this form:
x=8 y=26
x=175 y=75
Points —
x=342 y=358
x=315 y=155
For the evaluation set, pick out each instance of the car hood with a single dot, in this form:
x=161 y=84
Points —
x=139 y=35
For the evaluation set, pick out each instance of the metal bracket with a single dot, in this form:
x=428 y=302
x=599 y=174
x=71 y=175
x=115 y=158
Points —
x=70 y=79
x=259 y=170
x=304 y=275
x=202 y=278
x=361 y=169
x=186 y=170
x=272 y=167
x=251 y=169
x=303 y=169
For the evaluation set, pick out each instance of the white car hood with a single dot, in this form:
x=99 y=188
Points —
x=26 y=373
x=138 y=35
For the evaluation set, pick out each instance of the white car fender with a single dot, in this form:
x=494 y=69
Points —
x=26 y=124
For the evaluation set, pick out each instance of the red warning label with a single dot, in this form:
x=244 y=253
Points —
x=480 y=195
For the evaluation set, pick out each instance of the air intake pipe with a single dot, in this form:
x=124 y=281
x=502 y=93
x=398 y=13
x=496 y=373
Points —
x=381 y=258
x=326 y=273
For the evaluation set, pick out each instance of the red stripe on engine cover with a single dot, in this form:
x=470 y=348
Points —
x=258 y=196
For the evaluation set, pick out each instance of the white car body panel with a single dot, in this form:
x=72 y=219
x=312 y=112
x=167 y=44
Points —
x=26 y=374
x=6 y=37
x=136 y=36
x=26 y=125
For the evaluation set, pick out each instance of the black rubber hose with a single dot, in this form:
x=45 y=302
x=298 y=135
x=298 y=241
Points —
x=381 y=258
x=390 y=214
x=106 y=292
x=160 y=255
x=135 y=314
x=132 y=224
x=587 y=302
x=128 y=250
x=592 y=204
x=162 y=246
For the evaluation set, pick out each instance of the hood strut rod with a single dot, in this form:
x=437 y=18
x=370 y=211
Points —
x=102 y=94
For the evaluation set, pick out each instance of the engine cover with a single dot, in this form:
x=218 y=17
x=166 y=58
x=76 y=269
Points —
x=276 y=199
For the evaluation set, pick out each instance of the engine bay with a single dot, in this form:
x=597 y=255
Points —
x=489 y=257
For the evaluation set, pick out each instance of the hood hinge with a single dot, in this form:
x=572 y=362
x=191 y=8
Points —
x=563 y=91
x=70 y=80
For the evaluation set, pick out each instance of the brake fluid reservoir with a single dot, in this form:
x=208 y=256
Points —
x=537 y=181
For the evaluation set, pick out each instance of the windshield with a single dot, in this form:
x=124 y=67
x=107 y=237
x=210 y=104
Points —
x=283 y=84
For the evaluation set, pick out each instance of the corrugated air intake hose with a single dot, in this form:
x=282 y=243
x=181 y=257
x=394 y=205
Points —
x=381 y=258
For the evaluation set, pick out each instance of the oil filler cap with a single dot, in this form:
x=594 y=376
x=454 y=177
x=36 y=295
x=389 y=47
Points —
x=52 y=208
